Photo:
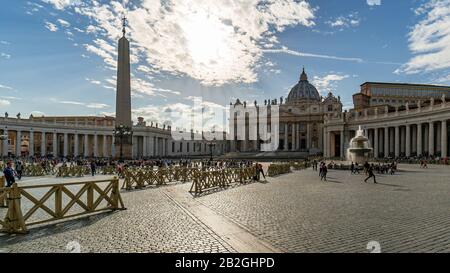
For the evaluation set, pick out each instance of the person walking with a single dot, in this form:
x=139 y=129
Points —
x=371 y=174
x=93 y=168
x=260 y=171
x=19 y=170
x=352 y=168
x=9 y=172
x=324 y=173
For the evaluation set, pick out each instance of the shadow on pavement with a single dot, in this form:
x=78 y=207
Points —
x=42 y=231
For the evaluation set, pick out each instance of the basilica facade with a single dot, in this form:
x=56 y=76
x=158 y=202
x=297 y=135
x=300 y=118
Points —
x=301 y=120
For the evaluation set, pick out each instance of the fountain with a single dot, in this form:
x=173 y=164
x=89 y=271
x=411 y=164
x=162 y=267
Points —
x=359 y=148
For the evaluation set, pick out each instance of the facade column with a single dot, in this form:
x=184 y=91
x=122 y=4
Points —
x=431 y=139
x=43 y=144
x=408 y=141
x=308 y=136
x=286 y=139
x=386 y=141
x=342 y=144
x=419 y=139
x=18 y=143
x=397 y=141
x=76 y=148
x=105 y=146
x=5 y=143
x=66 y=144
x=375 y=143
x=55 y=144
x=31 y=144
x=293 y=137
x=444 y=139
x=86 y=145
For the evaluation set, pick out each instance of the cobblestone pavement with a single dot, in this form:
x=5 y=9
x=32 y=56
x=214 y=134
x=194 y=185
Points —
x=151 y=223
x=407 y=212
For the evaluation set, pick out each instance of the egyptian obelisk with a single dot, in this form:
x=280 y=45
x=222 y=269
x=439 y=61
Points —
x=123 y=96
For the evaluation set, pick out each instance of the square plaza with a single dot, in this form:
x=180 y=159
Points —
x=295 y=212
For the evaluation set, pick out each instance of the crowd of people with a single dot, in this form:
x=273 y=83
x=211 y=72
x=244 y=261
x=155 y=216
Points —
x=14 y=168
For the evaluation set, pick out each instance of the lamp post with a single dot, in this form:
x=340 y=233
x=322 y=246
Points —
x=211 y=146
x=122 y=132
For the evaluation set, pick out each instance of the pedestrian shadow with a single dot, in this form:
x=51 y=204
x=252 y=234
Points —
x=46 y=230
x=231 y=186
x=391 y=185
x=333 y=181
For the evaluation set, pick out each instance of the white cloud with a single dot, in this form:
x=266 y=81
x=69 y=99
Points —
x=216 y=42
x=5 y=87
x=63 y=23
x=429 y=39
x=328 y=83
x=61 y=4
x=302 y=54
x=341 y=22
x=5 y=43
x=4 y=102
x=6 y=56
x=50 y=26
x=94 y=81
x=374 y=2
x=93 y=105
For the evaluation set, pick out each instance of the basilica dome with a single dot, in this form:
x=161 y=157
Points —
x=303 y=90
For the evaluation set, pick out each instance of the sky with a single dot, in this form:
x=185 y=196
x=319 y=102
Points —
x=58 y=57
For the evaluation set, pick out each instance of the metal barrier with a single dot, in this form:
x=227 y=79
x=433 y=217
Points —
x=33 y=170
x=17 y=220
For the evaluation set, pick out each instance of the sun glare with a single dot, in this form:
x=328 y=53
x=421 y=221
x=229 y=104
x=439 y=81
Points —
x=207 y=41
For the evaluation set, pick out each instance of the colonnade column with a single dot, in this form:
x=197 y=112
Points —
x=76 y=151
x=66 y=144
x=397 y=141
x=431 y=138
x=105 y=146
x=86 y=145
x=55 y=144
x=444 y=139
x=419 y=139
x=375 y=143
x=31 y=144
x=43 y=145
x=408 y=141
x=342 y=144
x=5 y=143
x=386 y=141
x=18 y=143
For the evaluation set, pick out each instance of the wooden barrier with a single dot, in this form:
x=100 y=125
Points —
x=139 y=178
x=2 y=192
x=18 y=221
x=277 y=169
x=73 y=171
x=203 y=181
x=33 y=170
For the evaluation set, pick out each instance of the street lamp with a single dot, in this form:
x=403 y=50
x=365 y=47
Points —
x=211 y=146
x=122 y=132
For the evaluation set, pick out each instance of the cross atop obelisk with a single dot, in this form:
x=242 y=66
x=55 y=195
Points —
x=123 y=97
